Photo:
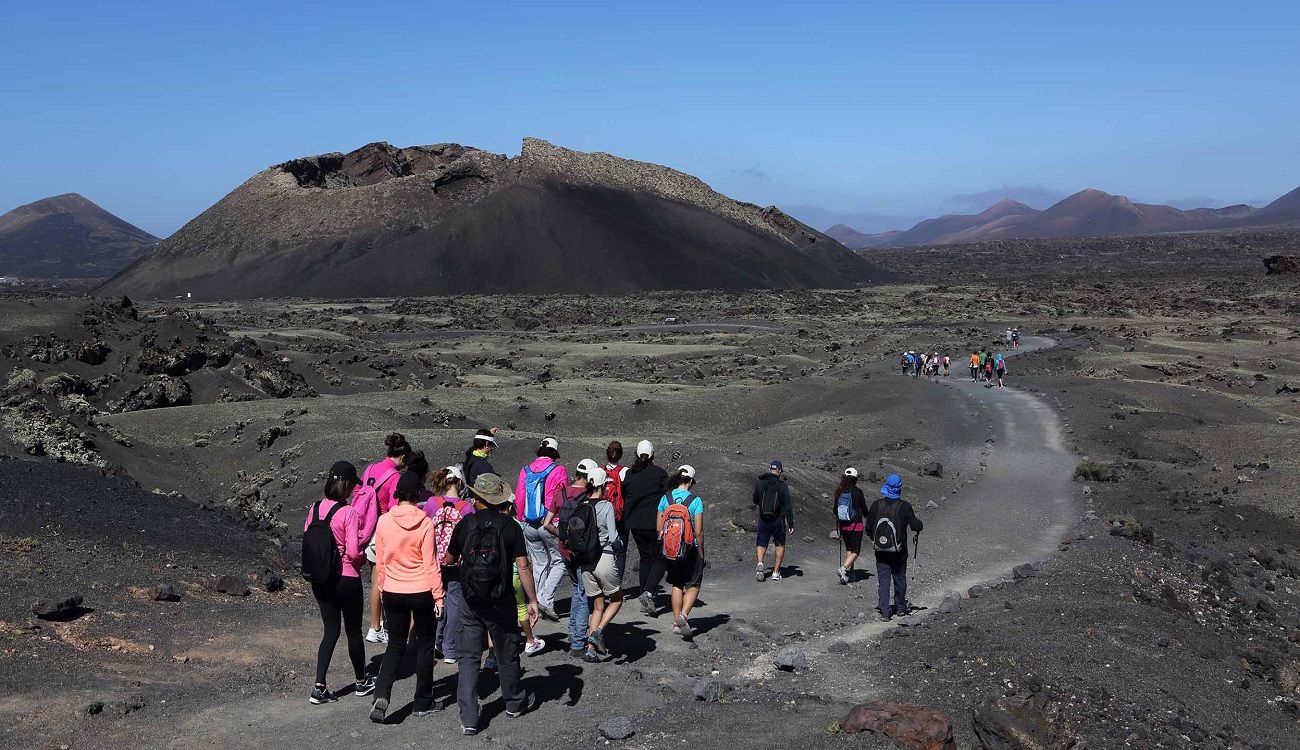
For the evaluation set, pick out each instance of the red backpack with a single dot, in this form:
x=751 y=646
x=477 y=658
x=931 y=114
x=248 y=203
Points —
x=614 y=489
x=677 y=538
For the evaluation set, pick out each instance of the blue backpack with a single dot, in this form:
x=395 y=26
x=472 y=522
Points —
x=535 y=493
x=845 y=510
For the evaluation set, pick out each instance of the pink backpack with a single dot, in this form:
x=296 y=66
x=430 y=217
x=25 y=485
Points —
x=445 y=519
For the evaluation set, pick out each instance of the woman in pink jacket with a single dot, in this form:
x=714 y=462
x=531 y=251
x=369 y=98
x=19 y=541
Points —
x=342 y=601
x=538 y=497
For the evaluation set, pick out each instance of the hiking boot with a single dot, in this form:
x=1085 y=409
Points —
x=883 y=617
x=843 y=574
x=577 y=653
x=648 y=605
x=591 y=657
x=530 y=703
x=597 y=641
x=549 y=613
x=535 y=647
x=321 y=694
x=448 y=660
x=776 y=576
x=436 y=706
x=469 y=731
x=684 y=628
x=377 y=636
x=760 y=573
x=364 y=687
x=380 y=711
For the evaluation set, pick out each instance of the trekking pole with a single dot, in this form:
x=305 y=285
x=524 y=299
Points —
x=916 y=545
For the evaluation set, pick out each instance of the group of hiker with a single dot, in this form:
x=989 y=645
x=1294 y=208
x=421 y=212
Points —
x=463 y=566
x=925 y=365
x=988 y=367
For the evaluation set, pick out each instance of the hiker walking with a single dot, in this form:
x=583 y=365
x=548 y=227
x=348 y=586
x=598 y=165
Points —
x=410 y=577
x=476 y=458
x=538 y=495
x=643 y=488
x=974 y=367
x=850 y=519
x=380 y=481
x=591 y=538
x=486 y=544
x=331 y=562
x=446 y=509
x=889 y=518
x=947 y=366
x=775 y=518
x=1000 y=368
x=681 y=534
x=614 y=494
x=579 y=606
x=1015 y=338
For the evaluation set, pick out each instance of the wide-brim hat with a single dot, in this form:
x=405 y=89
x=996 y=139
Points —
x=492 y=490
x=893 y=487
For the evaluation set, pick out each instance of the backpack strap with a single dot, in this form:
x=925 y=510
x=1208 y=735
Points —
x=315 y=511
x=328 y=516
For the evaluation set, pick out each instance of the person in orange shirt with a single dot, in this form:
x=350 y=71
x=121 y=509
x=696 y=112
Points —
x=975 y=366
x=410 y=577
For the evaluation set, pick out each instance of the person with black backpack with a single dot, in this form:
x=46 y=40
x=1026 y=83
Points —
x=593 y=543
x=484 y=545
x=850 y=511
x=775 y=518
x=331 y=563
x=890 y=518
x=579 y=605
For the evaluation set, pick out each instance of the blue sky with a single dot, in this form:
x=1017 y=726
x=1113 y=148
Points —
x=890 y=110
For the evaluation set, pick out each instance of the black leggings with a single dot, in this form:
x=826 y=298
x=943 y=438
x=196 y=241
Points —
x=399 y=610
x=343 y=604
x=652 y=559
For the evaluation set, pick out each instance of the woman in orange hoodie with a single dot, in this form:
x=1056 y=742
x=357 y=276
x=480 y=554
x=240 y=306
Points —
x=411 y=580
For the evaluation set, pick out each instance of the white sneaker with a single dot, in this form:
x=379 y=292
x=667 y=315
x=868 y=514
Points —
x=377 y=636
x=535 y=647
x=448 y=660
x=776 y=576
x=760 y=573
x=843 y=574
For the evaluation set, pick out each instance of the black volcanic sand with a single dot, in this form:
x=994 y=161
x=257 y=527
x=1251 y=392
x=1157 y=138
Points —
x=1161 y=612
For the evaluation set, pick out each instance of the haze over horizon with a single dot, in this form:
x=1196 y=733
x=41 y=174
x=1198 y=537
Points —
x=883 y=115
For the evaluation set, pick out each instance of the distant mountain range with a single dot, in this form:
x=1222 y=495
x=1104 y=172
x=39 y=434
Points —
x=1088 y=213
x=66 y=237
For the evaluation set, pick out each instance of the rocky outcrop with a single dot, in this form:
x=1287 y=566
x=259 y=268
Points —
x=1279 y=264
x=909 y=725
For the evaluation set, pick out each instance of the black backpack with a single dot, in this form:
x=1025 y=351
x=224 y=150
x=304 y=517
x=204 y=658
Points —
x=889 y=534
x=321 y=562
x=581 y=535
x=769 y=504
x=482 y=562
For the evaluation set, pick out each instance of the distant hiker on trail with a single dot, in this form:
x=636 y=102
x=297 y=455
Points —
x=974 y=367
x=851 y=519
x=947 y=366
x=614 y=494
x=379 y=480
x=411 y=578
x=643 y=487
x=984 y=357
x=889 y=518
x=446 y=509
x=1010 y=337
x=680 y=523
x=1015 y=338
x=988 y=371
x=775 y=518
x=538 y=495
x=593 y=543
x=935 y=364
x=579 y=606
x=331 y=563
x=1000 y=367
x=476 y=458
x=486 y=545
x=905 y=362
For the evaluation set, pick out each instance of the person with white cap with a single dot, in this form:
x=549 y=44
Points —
x=850 y=518
x=643 y=487
x=476 y=458
x=602 y=577
x=680 y=522
x=579 y=607
x=446 y=509
x=538 y=496
x=485 y=545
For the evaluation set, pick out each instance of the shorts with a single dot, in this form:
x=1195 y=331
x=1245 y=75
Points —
x=771 y=531
x=370 y=551
x=521 y=600
x=852 y=541
x=606 y=579
x=687 y=573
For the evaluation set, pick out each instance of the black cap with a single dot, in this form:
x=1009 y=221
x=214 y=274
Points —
x=343 y=470
x=410 y=483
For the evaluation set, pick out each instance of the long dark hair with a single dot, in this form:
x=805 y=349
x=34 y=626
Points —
x=846 y=483
x=443 y=481
x=340 y=489
x=548 y=452
x=614 y=452
x=679 y=478
x=417 y=463
x=641 y=462
x=397 y=445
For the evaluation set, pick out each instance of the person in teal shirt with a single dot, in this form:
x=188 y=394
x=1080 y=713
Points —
x=686 y=575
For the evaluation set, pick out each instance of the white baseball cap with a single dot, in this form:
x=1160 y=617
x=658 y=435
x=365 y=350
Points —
x=645 y=448
x=456 y=473
x=551 y=443
x=586 y=466
x=597 y=477
x=850 y=472
x=688 y=470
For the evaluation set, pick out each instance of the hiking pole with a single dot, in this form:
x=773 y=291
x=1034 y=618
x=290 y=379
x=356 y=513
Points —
x=916 y=545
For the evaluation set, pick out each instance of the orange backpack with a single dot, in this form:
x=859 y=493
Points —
x=677 y=538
